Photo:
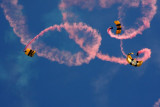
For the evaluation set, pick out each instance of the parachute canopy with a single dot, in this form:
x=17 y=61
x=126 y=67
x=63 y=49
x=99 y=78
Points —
x=29 y=52
x=118 y=24
x=132 y=61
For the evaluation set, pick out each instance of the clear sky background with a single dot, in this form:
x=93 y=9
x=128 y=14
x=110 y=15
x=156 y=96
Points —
x=39 y=82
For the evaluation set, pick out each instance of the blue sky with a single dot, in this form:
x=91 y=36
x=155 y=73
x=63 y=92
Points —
x=39 y=82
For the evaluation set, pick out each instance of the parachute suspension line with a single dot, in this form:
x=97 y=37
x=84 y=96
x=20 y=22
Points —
x=121 y=43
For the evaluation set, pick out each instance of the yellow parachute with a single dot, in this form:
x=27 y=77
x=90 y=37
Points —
x=29 y=52
x=118 y=24
x=132 y=61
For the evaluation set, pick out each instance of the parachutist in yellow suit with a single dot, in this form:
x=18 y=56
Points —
x=132 y=61
x=29 y=52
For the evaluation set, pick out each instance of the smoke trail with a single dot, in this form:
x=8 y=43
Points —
x=157 y=104
x=119 y=60
x=89 y=4
x=146 y=52
x=89 y=42
x=122 y=48
x=109 y=3
x=16 y=19
x=106 y=57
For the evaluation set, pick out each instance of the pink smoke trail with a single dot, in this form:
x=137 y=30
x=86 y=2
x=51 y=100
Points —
x=89 y=4
x=106 y=57
x=42 y=33
x=90 y=47
x=146 y=52
x=14 y=15
x=119 y=60
x=122 y=48
x=157 y=104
